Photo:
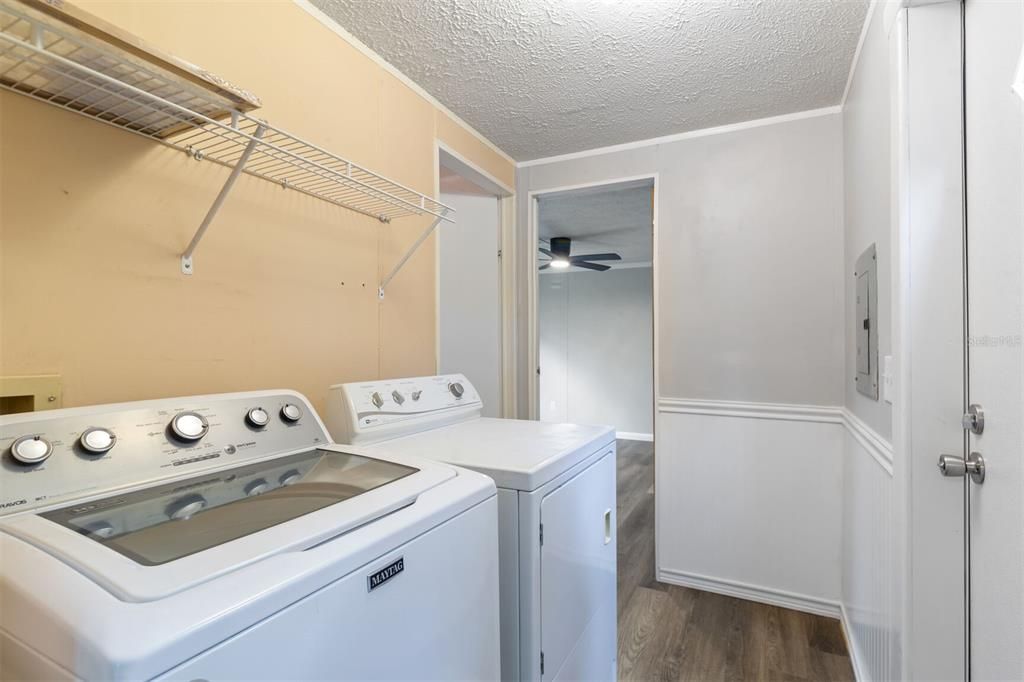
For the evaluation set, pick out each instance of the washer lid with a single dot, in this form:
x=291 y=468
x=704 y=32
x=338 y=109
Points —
x=149 y=543
x=516 y=453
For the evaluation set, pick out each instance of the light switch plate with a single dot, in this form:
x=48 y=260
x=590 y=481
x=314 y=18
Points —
x=888 y=380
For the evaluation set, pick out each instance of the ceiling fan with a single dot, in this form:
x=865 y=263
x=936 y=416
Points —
x=560 y=258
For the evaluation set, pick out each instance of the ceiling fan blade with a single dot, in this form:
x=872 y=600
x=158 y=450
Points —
x=590 y=266
x=597 y=256
x=543 y=250
x=545 y=266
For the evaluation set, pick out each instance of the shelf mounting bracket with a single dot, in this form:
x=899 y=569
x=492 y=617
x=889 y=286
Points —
x=186 y=257
x=408 y=254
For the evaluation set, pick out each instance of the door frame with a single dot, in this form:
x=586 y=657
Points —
x=532 y=275
x=445 y=155
x=906 y=174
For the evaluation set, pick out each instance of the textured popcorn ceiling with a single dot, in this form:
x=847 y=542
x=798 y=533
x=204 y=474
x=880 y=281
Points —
x=615 y=218
x=546 y=77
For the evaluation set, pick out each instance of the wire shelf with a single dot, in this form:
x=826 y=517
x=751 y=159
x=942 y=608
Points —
x=43 y=59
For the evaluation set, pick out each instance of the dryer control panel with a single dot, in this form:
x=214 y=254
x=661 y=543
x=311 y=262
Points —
x=47 y=457
x=370 y=411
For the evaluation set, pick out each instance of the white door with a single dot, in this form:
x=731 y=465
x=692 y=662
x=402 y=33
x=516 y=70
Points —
x=995 y=187
x=577 y=559
x=469 y=296
x=962 y=260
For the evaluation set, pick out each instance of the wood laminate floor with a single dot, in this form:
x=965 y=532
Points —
x=676 y=633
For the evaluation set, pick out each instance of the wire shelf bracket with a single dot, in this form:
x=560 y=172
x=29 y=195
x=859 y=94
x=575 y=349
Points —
x=186 y=258
x=45 y=59
x=408 y=254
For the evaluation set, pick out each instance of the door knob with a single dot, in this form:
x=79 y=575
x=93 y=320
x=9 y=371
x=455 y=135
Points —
x=974 y=465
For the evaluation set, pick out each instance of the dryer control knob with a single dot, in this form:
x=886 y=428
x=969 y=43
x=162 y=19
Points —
x=457 y=389
x=257 y=417
x=97 y=441
x=377 y=400
x=189 y=426
x=183 y=508
x=257 y=487
x=398 y=397
x=31 y=449
x=289 y=477
x=291 y=413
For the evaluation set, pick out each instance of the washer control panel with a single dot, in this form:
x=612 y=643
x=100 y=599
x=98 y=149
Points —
x=47 y=457
x=377 y=410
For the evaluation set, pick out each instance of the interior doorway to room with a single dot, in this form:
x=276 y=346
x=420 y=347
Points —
x=595 y=312
x=469 y=324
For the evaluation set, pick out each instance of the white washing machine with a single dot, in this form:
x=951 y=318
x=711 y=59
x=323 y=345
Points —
x=556 y=510
x=225 y=537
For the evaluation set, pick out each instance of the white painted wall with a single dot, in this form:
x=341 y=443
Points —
x=750 y=280
x=868 y=201
x=469 y=296
x=870 y=560
x=597 y=348
x=872 y=535
x=738 y=511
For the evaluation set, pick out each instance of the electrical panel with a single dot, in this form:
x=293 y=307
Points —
x=866 y=323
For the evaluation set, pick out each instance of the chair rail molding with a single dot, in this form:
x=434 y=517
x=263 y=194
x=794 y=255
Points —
x=729 y=408
x=878 y=447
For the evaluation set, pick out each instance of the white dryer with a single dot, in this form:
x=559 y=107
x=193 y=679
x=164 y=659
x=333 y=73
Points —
x=556 y=509
x=225 y=537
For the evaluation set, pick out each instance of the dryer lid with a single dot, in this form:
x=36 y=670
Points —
x=149 y=543
x=518 y=454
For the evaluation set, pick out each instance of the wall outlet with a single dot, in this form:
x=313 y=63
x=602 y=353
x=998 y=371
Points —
x=888 y=380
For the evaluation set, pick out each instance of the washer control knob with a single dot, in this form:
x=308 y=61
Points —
x=256 y=487
x=190 y=426
x=377 y=400
x=291 y=413
x=97 y=441
x=289 y=477
x=31 y=449
x=257 y=417
x=399 y=398
x=416 y=395
x=457 y=389
x=183 y=508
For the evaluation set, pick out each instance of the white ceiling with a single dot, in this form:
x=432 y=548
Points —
x=546 y=77
x=615 y=218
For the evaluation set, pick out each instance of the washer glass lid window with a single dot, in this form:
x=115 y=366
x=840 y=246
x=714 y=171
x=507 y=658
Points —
x=174 y=520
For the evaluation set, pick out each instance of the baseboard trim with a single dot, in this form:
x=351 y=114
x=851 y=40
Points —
x=764 y=595
x=632 y=435
x=851 y=646
x=730 y=408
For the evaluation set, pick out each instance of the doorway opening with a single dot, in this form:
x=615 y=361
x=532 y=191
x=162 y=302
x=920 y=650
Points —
x=470 y=291
x=595 y=307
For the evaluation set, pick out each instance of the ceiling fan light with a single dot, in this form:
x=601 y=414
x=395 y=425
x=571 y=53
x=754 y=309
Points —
x=559 y=263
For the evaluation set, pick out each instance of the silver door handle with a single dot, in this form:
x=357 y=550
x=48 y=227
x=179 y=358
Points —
x=974 y=465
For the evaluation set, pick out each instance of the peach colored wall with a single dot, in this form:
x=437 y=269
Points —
x=92 y=221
